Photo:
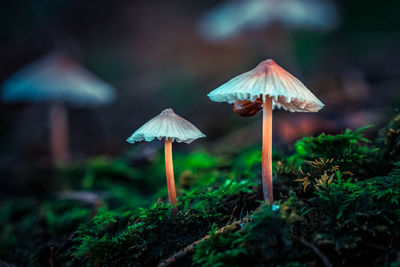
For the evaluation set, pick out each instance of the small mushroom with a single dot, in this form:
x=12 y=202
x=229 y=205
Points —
x=272 y=86
x=172 y=128
x=58 y=80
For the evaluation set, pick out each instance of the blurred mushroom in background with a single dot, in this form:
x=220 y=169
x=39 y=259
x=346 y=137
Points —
x=233 y=17
x=58 y=80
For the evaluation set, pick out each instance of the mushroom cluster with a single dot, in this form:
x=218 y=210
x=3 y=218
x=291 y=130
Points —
x=263 y=88
x=60 y=80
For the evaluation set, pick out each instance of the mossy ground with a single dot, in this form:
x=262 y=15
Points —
x=337 y=203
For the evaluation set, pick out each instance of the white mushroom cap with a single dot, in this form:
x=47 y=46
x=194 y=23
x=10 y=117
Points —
x=57 y=77
x=268 y=79
x=166 y=125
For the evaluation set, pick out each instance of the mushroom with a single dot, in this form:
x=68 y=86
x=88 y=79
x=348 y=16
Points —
x=172 y=128
x=231 y=18
x=268 y=85
x=59 y=80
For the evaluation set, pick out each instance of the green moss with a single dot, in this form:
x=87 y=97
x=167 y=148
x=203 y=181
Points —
x=350 y=151
x=28 y=228
x=149 y=235
x=345 y=220
x=337 y=202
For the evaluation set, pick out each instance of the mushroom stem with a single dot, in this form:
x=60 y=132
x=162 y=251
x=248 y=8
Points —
x=59 y=132
x=169 y=169
x=267 y=151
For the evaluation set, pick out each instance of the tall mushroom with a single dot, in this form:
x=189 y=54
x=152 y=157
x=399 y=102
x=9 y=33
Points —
x=266 y=86
x=59 y=80
x=172 y=128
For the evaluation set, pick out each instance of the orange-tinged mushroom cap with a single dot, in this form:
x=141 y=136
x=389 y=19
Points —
x=268 y=79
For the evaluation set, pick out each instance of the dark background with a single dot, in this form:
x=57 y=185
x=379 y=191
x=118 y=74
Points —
x=153 y=54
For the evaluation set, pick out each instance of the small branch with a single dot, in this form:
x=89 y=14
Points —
x=316 y=250
x=375 y=246
x=51 y=261
x=233 y=212
x=387 y=254
x=180 y=254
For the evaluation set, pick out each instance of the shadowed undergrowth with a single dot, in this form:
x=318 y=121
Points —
x=337 y=203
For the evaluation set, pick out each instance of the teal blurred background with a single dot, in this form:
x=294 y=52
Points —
x=163 y=54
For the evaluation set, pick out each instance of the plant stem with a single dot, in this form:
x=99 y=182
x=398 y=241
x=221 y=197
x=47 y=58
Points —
x=59 y=132
x=169 y=169
x=267 y=151
x=316 y=250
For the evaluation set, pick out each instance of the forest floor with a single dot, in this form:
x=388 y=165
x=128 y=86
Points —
x=336 y=203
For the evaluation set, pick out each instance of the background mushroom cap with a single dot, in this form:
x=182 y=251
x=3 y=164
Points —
x=167 y=125
x=268 y=79
x=231 y=18
x=57 y=77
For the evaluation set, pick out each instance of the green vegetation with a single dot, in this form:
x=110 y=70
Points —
x=337 y=204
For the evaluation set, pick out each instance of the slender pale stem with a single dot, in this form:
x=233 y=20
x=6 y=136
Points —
x=59 y=132
x=267 y=151
x=169 y=169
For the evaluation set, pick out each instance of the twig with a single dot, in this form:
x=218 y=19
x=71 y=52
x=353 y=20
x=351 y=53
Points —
x=51 y=261
x=251 y=202
x=180 y=254
x=316 y=250
x=387 y=254
x=233 y=212
x=375 y=246
x=6 y=264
